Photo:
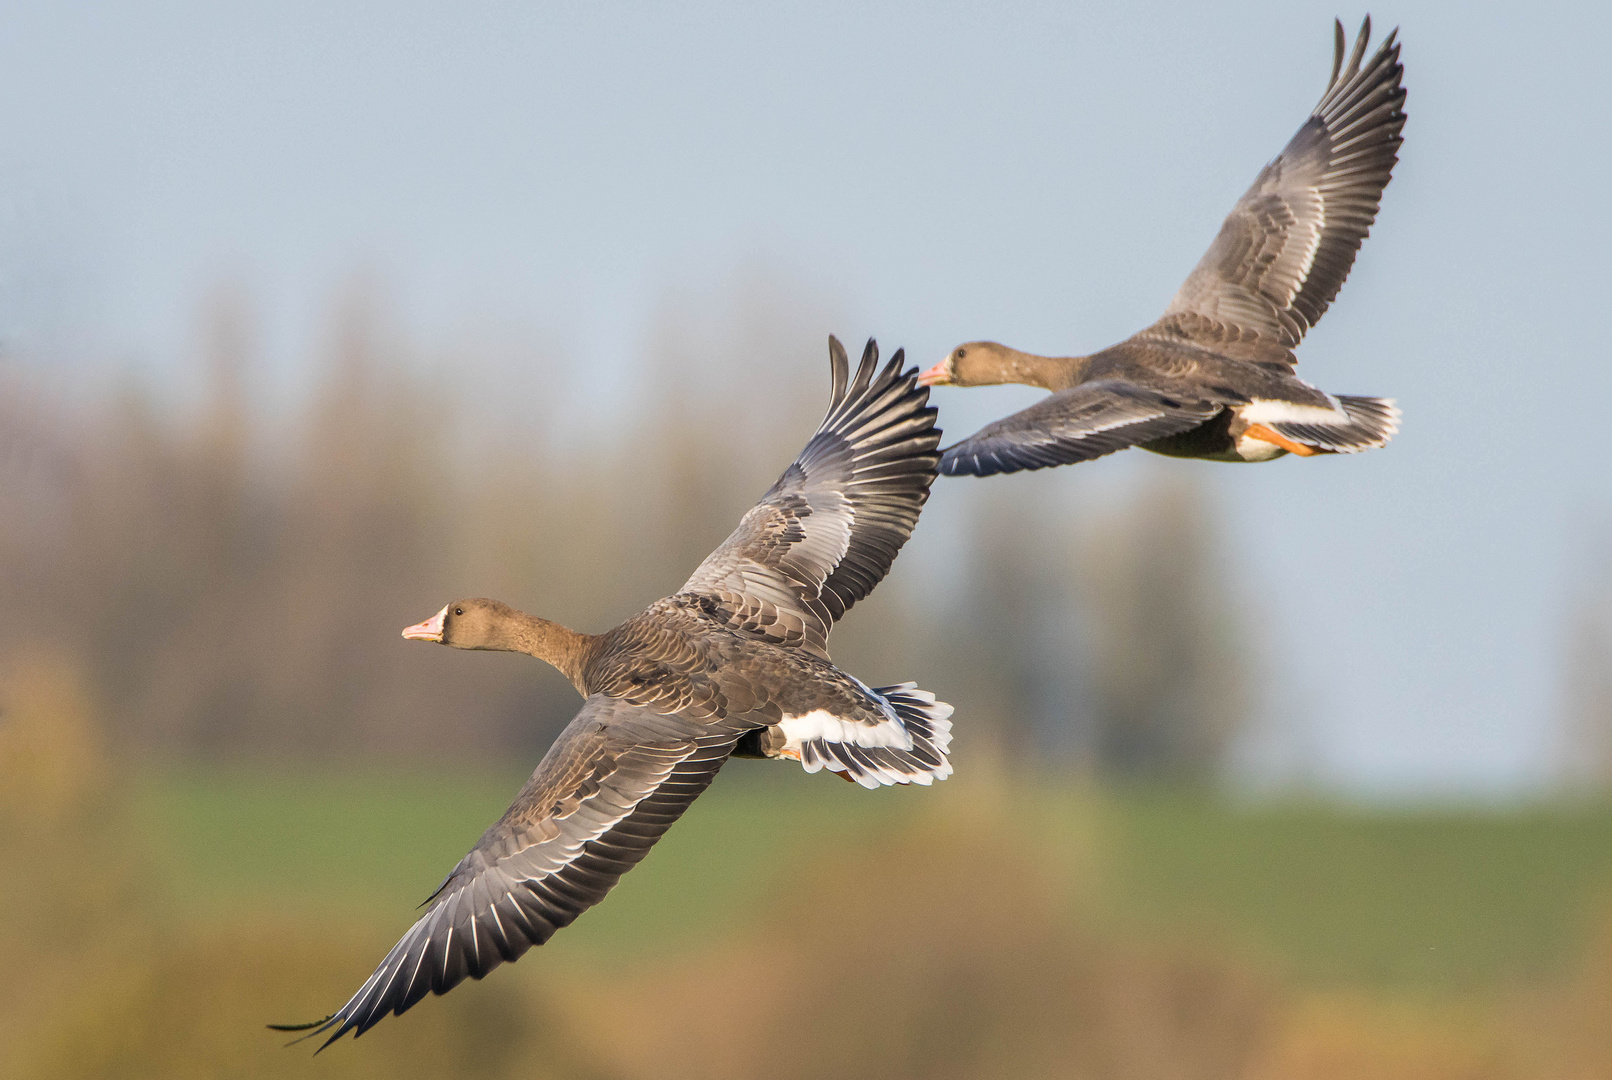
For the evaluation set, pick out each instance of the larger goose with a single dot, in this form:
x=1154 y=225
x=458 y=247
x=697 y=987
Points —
x=1214 y=378
x=735 y=662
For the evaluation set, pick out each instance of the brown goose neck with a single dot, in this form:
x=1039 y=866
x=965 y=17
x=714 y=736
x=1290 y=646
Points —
x=1047 y=372
x=564 y=649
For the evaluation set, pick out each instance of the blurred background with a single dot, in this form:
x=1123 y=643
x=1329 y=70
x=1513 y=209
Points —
x=313 y=317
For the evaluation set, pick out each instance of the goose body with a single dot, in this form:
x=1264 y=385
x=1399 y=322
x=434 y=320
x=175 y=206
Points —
x=1215 y=376
x=734 y=663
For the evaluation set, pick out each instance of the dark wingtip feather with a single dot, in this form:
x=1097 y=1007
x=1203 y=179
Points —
x=1338 y=43
x=961 y=460
x=949 y=464
x=297 y=1027
x=897 y=362
x=339 y=1033
x=1361 y=40
x=839 y=370
x=864 y=370
x=314 y=1028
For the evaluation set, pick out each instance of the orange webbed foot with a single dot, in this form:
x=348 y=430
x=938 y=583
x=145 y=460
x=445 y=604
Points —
x=1265 y=434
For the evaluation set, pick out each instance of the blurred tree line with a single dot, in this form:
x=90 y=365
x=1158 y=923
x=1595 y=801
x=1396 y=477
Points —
x=970 y=929
x=1586 y=657
x=233 y=582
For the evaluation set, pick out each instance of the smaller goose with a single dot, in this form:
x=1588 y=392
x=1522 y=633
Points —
x=734 y=664
x=1214 y=378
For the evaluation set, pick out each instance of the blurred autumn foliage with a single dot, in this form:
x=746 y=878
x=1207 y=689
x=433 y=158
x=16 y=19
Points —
x=216 y=580
x=952 y=945
x=233 y=579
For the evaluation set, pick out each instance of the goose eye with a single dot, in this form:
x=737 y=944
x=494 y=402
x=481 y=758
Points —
x=458 y=611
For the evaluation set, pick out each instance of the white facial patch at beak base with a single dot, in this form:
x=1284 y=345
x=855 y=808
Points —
x=430 y=630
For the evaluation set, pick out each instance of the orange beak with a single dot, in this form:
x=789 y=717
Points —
x=430 y=630
x=937 y=375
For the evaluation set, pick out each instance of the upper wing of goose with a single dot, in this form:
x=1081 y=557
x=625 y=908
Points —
x=826 y=533
x=1285 y=249
x=610 y=786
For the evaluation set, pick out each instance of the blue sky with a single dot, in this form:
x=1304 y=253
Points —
x=1040 y=174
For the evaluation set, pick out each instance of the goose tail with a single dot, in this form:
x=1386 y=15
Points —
x=1370 y=423
x=873 y=758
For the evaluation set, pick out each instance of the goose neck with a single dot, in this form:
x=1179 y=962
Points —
x=1046 y=372
x=564 y=649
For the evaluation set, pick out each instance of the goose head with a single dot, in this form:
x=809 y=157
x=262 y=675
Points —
x=977 y=363
x=474 y=623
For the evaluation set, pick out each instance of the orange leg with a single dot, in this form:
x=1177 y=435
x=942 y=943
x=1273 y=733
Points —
x=1260 y=431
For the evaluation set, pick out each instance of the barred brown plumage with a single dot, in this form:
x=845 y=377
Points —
x=737 y=656
x=1193 y=383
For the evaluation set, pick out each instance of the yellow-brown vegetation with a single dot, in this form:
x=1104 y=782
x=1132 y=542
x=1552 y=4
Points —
x=952 y=946
x=228 y=585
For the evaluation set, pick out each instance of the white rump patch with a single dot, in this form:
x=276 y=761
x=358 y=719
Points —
x=907 y=746
x=1270 y=411
x=873 y=755
x=822 y=724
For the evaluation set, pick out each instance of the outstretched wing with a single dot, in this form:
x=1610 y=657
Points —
x=826 y=533
x=610 y=786
x=1079 y=424
x=1284 y=251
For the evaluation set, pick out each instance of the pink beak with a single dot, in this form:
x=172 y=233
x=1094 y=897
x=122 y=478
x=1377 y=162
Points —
x=935 y=376
x=430 y=630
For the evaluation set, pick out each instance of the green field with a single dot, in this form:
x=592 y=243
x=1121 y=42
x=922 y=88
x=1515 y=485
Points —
x=1328 y=896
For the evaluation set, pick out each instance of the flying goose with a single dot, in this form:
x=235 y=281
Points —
x=1214 y=378
x=735 y=662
